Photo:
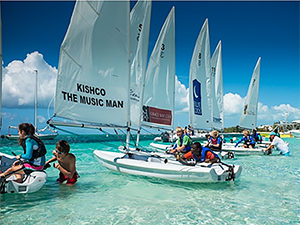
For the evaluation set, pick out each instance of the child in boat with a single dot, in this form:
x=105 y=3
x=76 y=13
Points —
x=183 y=143
x=34 y=153
x=256 y=136
x=214 y=141
x=201 y=154
x=248 y=140
x=66 y=163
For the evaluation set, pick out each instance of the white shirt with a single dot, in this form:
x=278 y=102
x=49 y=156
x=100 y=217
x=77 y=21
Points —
x=280 y=145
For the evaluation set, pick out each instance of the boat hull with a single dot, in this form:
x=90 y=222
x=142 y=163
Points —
x=159 y=167
x=31 y=183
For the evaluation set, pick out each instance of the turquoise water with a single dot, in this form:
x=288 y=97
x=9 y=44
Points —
x=268 y=192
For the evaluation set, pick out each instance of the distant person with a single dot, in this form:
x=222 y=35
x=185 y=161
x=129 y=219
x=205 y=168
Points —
x=215 y=141
x=184 y=142
x=66 y=163
x=200 y=154
x=191 y=130
x=34 y=152
x=256 y=136
x=247 y=139
x=279 y=144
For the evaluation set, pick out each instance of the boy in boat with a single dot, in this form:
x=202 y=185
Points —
x=183 y=144
x=200 y=154
x=66 y=163
x=34 y=153
x=256 y=136
x=214 y=141
x=248 y=140
x=279 y=144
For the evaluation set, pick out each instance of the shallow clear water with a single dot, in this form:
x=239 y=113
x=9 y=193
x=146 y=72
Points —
x=268 y=192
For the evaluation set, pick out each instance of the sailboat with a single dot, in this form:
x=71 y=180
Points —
x=249 y=115
x=93 y=90
x=43 y=136
x=217 y=88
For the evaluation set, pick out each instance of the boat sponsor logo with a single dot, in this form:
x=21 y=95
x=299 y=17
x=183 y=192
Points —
x=93 y=96
x=139 y=31
x=213 y=71
x=134 y=96
x=162 y=52
x=253 y=82
x=155 y=115
x=197 y=97
x=245 y=109
x=199 y=59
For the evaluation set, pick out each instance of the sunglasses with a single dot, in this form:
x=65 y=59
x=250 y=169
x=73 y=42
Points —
x=58 y=152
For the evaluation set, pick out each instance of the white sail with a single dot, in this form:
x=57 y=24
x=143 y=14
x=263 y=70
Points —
x=139 y=41
x=249 y=114
x=200 y=84
x=93 y=75
x=158 y=100
x=217 y=88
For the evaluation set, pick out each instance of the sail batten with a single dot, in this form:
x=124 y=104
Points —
x=249 y=115
x=93 y=74
x=200 y=82
x=158 y=98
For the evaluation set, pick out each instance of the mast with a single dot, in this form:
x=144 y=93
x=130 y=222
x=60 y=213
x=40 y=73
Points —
x=0 y=68
x=35 y=100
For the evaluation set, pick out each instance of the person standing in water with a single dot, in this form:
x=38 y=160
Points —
x=279 y=144
x=66 y=163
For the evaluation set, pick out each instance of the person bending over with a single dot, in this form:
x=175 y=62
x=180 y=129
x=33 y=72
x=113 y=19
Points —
x=279 y=144
x=201 y=154
x=66 y=163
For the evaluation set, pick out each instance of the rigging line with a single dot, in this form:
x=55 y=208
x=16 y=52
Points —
x=120 y=138
x=148 y=131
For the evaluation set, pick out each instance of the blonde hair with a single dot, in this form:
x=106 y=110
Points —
x=179 y=129
x=214 y=132
x=246 y=132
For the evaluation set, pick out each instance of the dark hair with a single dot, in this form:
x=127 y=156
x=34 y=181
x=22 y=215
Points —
x=198 y=149
x=28 y=128
x=63 y=146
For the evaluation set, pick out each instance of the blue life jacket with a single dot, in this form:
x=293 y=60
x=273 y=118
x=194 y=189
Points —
x=203 y=155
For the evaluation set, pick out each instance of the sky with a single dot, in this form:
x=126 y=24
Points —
x=32 y=33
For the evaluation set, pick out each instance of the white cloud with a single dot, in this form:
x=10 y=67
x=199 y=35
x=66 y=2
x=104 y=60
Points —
x=233 y=104
x=19 y=81
x=181 y=97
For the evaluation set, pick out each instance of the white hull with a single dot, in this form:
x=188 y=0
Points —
x=32 y=182
x=243 y=151
x=161 y=146
x=296 y=133
x=160 y=167
x=262 y=145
